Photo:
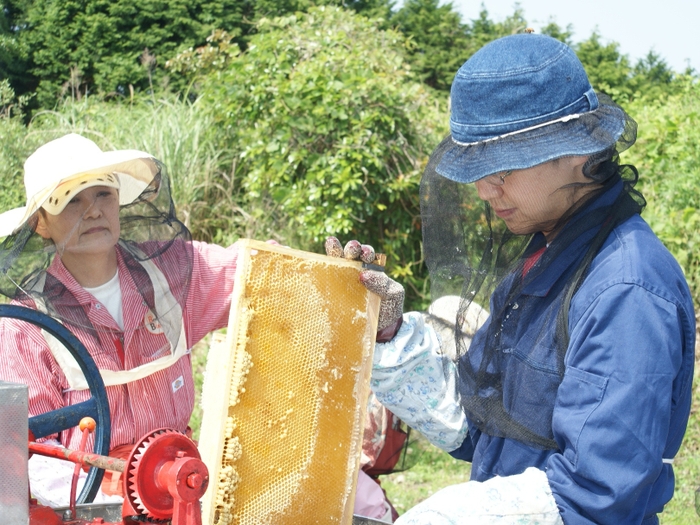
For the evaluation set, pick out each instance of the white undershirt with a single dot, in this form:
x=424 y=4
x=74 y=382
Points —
x=109 y=295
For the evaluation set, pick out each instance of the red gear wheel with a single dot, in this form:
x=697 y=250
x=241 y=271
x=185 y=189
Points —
x=147 y=489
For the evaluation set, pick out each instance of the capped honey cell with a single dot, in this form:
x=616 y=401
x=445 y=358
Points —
x=285 y=448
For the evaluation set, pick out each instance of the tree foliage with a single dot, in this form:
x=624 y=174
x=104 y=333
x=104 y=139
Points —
x=612 y=72
x=666 y=156
x=58 y=48
x=91 y=46
x=556 y=31
x=332 y=131
x=114 y=47
x=13 y=147
x=440 y=43
x=653 y=78
x=607 y=68
x=13 y=55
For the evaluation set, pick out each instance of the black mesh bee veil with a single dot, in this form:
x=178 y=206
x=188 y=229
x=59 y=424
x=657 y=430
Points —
x=154 y=247
x=470 y=254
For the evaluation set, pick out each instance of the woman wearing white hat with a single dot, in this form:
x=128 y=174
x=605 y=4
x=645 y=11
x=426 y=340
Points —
x=573 y=397
x=98 y=246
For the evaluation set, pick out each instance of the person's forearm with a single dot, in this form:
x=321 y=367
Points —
x=409 y=378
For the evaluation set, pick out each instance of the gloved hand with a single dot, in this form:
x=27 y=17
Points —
x=391 y=293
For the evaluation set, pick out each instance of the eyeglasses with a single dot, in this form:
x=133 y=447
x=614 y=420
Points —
x=497 y=179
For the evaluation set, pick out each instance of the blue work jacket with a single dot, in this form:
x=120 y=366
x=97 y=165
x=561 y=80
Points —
x=619 y=414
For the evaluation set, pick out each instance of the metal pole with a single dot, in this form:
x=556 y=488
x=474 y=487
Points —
x=76 y=456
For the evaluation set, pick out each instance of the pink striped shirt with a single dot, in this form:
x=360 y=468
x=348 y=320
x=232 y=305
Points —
x=163 y=399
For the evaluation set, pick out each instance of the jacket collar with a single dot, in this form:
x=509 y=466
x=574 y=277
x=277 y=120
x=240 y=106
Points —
x=566 y=261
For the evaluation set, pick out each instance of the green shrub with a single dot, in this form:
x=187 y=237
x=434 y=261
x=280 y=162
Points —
x=14 y=148
x=330 y=133
x=666 y=155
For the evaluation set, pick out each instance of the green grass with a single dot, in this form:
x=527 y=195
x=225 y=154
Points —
x=427 y=469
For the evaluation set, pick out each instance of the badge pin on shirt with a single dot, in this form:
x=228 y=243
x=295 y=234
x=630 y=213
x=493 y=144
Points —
x=151 y=323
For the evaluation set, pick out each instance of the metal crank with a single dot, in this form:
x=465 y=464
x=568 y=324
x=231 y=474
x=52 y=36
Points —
x=163 y=480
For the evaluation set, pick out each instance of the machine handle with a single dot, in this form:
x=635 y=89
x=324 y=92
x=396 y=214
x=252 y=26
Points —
x=97 y=407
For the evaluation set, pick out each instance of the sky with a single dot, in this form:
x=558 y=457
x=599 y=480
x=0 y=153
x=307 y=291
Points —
x=670 y=27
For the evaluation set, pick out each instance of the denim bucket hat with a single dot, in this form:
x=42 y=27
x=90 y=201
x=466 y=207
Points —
x=520 y=101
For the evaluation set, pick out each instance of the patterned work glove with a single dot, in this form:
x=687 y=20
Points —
x=391 y=293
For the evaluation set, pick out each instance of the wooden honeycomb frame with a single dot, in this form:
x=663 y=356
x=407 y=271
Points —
x=285 y=392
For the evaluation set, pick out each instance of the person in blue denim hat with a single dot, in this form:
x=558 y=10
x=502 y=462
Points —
x=572 y=397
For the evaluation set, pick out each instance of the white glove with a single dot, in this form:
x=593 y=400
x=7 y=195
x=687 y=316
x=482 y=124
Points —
x=510 y=500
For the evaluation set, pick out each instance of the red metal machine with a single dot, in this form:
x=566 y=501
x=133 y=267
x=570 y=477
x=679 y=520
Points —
x=163 y=482
x=162 y=479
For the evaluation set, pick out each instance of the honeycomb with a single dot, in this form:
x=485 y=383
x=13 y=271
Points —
x=285 y=392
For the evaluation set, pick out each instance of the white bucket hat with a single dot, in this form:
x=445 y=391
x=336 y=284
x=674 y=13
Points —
x=64 y=167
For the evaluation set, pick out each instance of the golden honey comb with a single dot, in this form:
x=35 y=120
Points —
x=285 y=392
